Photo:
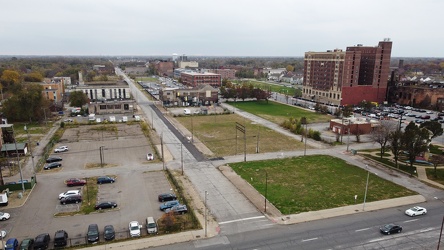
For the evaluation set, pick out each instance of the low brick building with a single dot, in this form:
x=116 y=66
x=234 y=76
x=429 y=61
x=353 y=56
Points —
x=202 y=95
x=194 y=79
x=360 y=125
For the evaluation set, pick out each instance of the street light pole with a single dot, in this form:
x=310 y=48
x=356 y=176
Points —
x=366 y=187
x=18 y=161
x=266 y=191
x=206 y=214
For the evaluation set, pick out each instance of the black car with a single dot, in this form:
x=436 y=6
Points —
x=93 y=233
x=109 y=233
x=53 y=159
x=41 y=241
x=71 y=199
x=105 y=179
x=390 y=228
x=27 y=244
x=105 y=205
x=52 y=165
x=60 y=238
x=167 y=197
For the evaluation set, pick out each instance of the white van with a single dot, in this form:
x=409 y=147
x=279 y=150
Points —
x=151 y=226
x=187 y=112
x=124 y=118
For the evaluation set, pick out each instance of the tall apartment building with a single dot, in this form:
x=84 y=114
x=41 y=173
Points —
x=346 y=78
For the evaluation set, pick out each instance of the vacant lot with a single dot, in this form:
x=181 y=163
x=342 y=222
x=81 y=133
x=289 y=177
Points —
x=278 y=113
x=273 y=87
x=312 y=183
x=218 y=133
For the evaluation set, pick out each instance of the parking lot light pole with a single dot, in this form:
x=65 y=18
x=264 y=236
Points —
x=206 y=225
x=366 y=186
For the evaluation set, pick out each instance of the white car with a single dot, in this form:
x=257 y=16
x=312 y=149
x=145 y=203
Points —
x=149 y=156
x=415 y=211
x=4 y=216
x=69 y=193
x=61 y=149
x=134 y=228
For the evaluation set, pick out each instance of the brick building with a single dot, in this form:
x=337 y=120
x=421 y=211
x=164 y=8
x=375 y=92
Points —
x=194 y=79
x=224 y=73
x=164 y=68
x=346 y=78
x=201 y=95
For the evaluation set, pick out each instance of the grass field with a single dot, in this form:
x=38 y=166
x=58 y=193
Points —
x=218 y=133
x=277 y=112
x=273 y=87
x=431 y=175
x=317 y=182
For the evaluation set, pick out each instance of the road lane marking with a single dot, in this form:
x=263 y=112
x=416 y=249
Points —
x=426 y=230
x=364 y=229
x=309 y=239
x=407 y=221
x=244 y=219
x=376 y=240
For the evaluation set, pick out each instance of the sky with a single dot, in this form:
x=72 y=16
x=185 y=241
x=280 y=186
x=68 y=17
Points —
x=287 y=28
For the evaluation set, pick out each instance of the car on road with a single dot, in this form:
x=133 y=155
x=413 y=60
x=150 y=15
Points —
x=166 y=197
x=61 y=149
x=27 y=244
x=149 y=156
x=169 y=204
x=75 y=182
x=390 y=229
x=179 y=209
x=414 y=211
x=52 y=165
x=42 y=241
x=105 y=179
x=109 y=233
x=60 y=238
x=71 y=199
x=11 y=244
x=105 y=205
x=93 y=233
x=53 y=159
x=134 y=228
x=69 y=193
x=4 y=216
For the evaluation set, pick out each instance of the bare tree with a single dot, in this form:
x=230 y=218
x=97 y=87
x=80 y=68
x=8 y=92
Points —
x=436 y=160
x=381 y=134
x=395 y=144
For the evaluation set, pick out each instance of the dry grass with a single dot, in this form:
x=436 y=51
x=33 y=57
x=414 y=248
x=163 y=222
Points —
x=218 y=133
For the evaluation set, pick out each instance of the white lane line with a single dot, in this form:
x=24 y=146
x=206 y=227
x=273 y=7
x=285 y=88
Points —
x=364 y=229
x=426 y=230
x=244 y=219
x=407 y=221
x=376 y=240
x=309 y=239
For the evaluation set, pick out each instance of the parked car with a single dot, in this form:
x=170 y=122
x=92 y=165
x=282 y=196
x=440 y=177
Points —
x=52 y=165
x=75 y=182
x=4 y=216
x=61 y=149
x=53 y=159
x=149 y=156
x=415 y=211
x=390 y=228
x=105 y=205
x=42 y=241
x=68 y=193
x=93 y=233
x=105 y=179
x=109 y=233
x=179 y=209
x=71 y=199
x=11 y=244
x=60 y=238
x=27 y=244
x=134 y=228
x=167 y=197
x=169 y=204
x=419 y=121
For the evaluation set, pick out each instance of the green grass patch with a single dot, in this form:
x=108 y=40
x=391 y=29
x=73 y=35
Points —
x=277 y=112
x=273 y=87
x=311 y=183
x=402 y=165
x=439 y=175
x=218 y=133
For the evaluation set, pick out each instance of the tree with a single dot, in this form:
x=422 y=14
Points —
x=395 y=144
x=9 y=77
x=434 y=127
x=78 y=99
x=414 y=141
x=289 y=68
x=381 y=134
x=436 y=160
x=33 y=77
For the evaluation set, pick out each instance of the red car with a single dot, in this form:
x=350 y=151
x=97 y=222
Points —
x=75 y=182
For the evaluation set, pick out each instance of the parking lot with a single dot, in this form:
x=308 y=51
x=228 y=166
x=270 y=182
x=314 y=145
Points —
x=135 y=191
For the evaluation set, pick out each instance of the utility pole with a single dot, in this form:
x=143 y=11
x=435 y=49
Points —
x=30 y=151
x=266 y=187
x=18 y=162
x=181 y=157
x=257 y=143
x=206 y=225
x=161 y=147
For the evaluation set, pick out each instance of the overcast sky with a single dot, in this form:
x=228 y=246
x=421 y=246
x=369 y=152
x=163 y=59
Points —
x=218 y=28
